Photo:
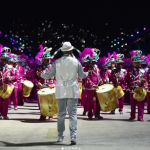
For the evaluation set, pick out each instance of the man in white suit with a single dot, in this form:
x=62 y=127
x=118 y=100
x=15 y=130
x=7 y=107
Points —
x=67 y=70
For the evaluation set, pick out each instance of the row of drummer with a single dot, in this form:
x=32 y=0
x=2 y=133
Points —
x=113 y=70
x=108 y=70
x=14 y=71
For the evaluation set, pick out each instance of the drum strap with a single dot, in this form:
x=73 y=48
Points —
x=3 y=76
x=97 y=76
x=89 y=89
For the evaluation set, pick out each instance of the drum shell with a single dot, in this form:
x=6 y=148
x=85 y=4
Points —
x=119 y=92
x=1 y=91
x=140 y=97
x=48 y=104
x=26 y=90
x=107 y=100
x=6 y=90
x=80 y=89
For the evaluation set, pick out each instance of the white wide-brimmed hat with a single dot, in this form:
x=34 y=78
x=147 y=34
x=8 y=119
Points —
x=66 y=47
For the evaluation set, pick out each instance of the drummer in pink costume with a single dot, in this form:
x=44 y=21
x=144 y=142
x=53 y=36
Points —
x=6 y=75
x=112 y=60
x=27 y=72
x=19 y=82
x=15 y=82
x=112 y=67
x=45 y=67
x=105 y=72
x=136 y=78
x=147 y=60
x=91 y=83
x=118 y=76
x=83 y=99
x=10 y=67
x=144 y=67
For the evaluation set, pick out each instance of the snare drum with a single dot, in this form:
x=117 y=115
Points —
x=48 y=102
x=107 y=98
x=119 y=92
x=27 y=88
x=6 y=90
x=139 y=94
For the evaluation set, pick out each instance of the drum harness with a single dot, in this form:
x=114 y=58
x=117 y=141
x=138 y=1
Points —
x=15 y=82
x=3 y=76
x=140 y=75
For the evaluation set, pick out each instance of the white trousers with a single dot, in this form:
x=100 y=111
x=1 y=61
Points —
x=72 y=112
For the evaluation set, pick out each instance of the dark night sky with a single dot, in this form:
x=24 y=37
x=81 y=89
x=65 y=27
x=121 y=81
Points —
x=92 y=15
x=126 y=14
x=122 y=12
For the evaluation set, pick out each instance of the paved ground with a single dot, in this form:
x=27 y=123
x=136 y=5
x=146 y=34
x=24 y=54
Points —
x=114 y=132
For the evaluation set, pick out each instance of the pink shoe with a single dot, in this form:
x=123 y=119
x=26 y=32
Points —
x=6 y=118
x=140 y=119
x=15 y=108
x=1 y=117
x=51 y=118
x=121 y=112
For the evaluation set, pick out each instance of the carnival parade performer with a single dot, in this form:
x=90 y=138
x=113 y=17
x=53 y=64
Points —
x=6 y=76
x=40 y=82
x=118 y=77
x=67 y=71
x=91 y=83
x=136 y=78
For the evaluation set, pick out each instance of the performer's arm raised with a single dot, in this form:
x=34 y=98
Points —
x=51 y=73
x=81 y=73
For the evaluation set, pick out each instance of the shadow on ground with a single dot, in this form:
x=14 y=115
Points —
x=28 y=120
x=7 y=144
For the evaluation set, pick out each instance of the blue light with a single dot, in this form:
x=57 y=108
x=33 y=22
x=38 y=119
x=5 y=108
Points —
x=20 y=43
x=132 y=35
x=16 y=41
x=11 y=39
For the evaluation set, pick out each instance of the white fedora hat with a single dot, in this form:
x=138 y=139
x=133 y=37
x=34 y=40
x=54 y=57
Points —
x=66 y=47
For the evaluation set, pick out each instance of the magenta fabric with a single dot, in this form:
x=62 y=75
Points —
x=4 y=106
x=121 y=102
x=140 y=105
x=148 y=102
x=15 y=97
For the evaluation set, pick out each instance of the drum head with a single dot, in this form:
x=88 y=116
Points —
x=105 y=88
x=46 y=91
x=28 y=83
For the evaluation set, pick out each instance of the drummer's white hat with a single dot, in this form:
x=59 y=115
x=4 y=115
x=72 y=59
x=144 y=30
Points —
x=67 y=47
